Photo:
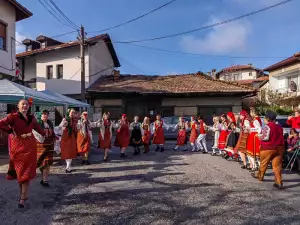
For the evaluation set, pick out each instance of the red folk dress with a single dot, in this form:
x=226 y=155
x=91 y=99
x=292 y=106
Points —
x=253 y=144
x=223 y=136
x=159 y=136
x=181 y=135
x=123 y=135
x=147 y=134
x=105 y=135
x=23 y=146
x=194 y=132
x=68 y=143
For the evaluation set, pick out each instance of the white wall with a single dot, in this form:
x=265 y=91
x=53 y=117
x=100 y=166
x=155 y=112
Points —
x=243 y=75
x=8 y=57
x=100 y=59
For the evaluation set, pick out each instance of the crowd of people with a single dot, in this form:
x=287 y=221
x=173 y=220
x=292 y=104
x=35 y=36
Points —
x=32 y=140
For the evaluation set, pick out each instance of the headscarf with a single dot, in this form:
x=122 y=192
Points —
x=246 y=116
x=232 y=117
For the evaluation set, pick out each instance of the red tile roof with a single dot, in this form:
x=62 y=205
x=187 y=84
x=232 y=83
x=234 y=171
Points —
x=286 y=62
x=176 y=84
x=237 y=68
x=21 y=11
x=249 y=82
x=104 y=37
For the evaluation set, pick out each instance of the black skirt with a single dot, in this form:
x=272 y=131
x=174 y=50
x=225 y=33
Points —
x=136 y=138
x=232 y=139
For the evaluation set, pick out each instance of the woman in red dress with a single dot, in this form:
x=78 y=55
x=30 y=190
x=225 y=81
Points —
x=223 y=133
x=159 y=136
x=181 y=135
x=146 y=134
x=105 y=135
x=23 y=148
x=68 y=143
x=85 y=136
x=123 y=135
x=194 y=133
x=253 y=145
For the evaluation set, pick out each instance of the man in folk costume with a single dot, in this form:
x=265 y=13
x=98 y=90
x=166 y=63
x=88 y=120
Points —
x=253 y=146
x=223 y=133
x=123 y=135
x=85 y=136
x=194 y=133
x=159 y=136
x=146 y=134
x=182 y=135
x=136 y=135
x=216 y=134
x=105 y=134
x=272 y=149
x=22 y=147
x=241 y=146
x=233 y=136
x=201 y=140
x=45 y=149
x=68 y=143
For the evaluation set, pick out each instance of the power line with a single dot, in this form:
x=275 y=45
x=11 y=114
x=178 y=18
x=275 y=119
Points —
x=211 y=25
x=136 y=18
x=102 y=71
x=59 y=35
x=129 y=63
x=205 y=55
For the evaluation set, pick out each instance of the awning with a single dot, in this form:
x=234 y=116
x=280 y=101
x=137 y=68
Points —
x=67 y=100
x=11 y=93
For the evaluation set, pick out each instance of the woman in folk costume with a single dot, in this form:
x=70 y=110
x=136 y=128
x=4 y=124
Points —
x=105 y=135
x=23 y=147
x=223 y=133
x=232 y=137
x=146 y=134
x=241 y=146
x=182 y=135
x=136 y=135
x=45 y=150
x=253 y=145
x=194 y=133
x=159 y=136
x=201 y=140
x=123 y=135
x=68 y=143
x=216 y=130
x=85 y=136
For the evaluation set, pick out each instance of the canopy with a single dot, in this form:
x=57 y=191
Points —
x=67 y=100
x=11 y=93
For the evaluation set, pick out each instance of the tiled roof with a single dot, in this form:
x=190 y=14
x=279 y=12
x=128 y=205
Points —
x=286 y=62
x=21 y=11
x=104 y=37
x=249 y=82
x=186 y=83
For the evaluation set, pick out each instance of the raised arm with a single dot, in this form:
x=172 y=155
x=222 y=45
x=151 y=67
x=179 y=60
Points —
x=6 y=123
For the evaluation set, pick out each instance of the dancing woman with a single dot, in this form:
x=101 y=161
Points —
x=233 y=136
x=182 y=135
x=216 y=130
x=159 y=136
x=136 y=135
x=23 y=147
x=146 y=134
x=123 y=135
x=68 y=143
x=105 y=135
x=194 y=133
x=223 y=133
x=85 y=136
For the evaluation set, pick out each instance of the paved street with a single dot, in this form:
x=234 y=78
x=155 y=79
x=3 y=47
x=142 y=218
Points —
x=161 y=188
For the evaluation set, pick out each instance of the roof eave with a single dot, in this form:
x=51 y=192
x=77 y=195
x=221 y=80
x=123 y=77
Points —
x=112 y=51
x=21 y=11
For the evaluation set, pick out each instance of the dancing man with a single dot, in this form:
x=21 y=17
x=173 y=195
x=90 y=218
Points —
x=201 y=140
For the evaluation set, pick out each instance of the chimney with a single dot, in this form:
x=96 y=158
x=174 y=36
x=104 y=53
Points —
x=213 y=73
x=116 y=75
x=250 y=64
x=209 y=74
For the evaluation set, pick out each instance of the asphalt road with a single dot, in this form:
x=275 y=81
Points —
x=160 y=188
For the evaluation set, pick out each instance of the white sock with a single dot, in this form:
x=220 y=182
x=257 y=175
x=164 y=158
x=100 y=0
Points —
x=193 y=146
x=68 y=161
x=176 y=147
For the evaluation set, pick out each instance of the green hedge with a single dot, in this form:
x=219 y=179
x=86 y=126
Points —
x=279 y=110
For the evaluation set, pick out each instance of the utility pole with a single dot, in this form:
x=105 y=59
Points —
x=82 y=58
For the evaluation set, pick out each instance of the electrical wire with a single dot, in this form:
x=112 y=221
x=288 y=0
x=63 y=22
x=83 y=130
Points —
x=101 y=71
x=211 y=25
x=134 y=19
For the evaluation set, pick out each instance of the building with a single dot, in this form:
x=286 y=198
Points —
x=187 y=94
x=283 y=73
x=239 y=73
x=48 y=64
x=10 y=12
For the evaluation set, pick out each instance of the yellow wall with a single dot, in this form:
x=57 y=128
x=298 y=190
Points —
x=285 y=69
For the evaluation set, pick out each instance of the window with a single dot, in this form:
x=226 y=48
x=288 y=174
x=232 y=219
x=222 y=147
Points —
x=250 y=74
x=3 y=28
x=43 y=45
x=49 y=72
x=236 y=76
x=60 y=71
x=227 y=77
x=29 y=48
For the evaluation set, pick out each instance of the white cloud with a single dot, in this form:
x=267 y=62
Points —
x=259 y=2
x=19 y=47
x=223 y=39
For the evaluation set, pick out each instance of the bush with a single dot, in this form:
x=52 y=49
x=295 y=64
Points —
x=279 y=110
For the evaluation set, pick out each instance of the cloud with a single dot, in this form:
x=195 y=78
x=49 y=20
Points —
x=19 y=47
x=224 y=39
x=259 y=2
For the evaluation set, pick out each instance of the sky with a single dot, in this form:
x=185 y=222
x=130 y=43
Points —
x=269 y=36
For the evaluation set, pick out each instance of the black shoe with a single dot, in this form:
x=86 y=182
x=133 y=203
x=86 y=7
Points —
x=204 y=152
x=105 y=159
x=162 y=149
x=22 y=206
x=278 y=186
x=44 y=184
x=244 y=167
x=213 y=154
x=87 y=162
x=185 y=150
x=68 y=171
x=254 y=175
x=157 y=149
x=123 y=155
x=135 y=153
x=174 y=149
x=83 y=162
